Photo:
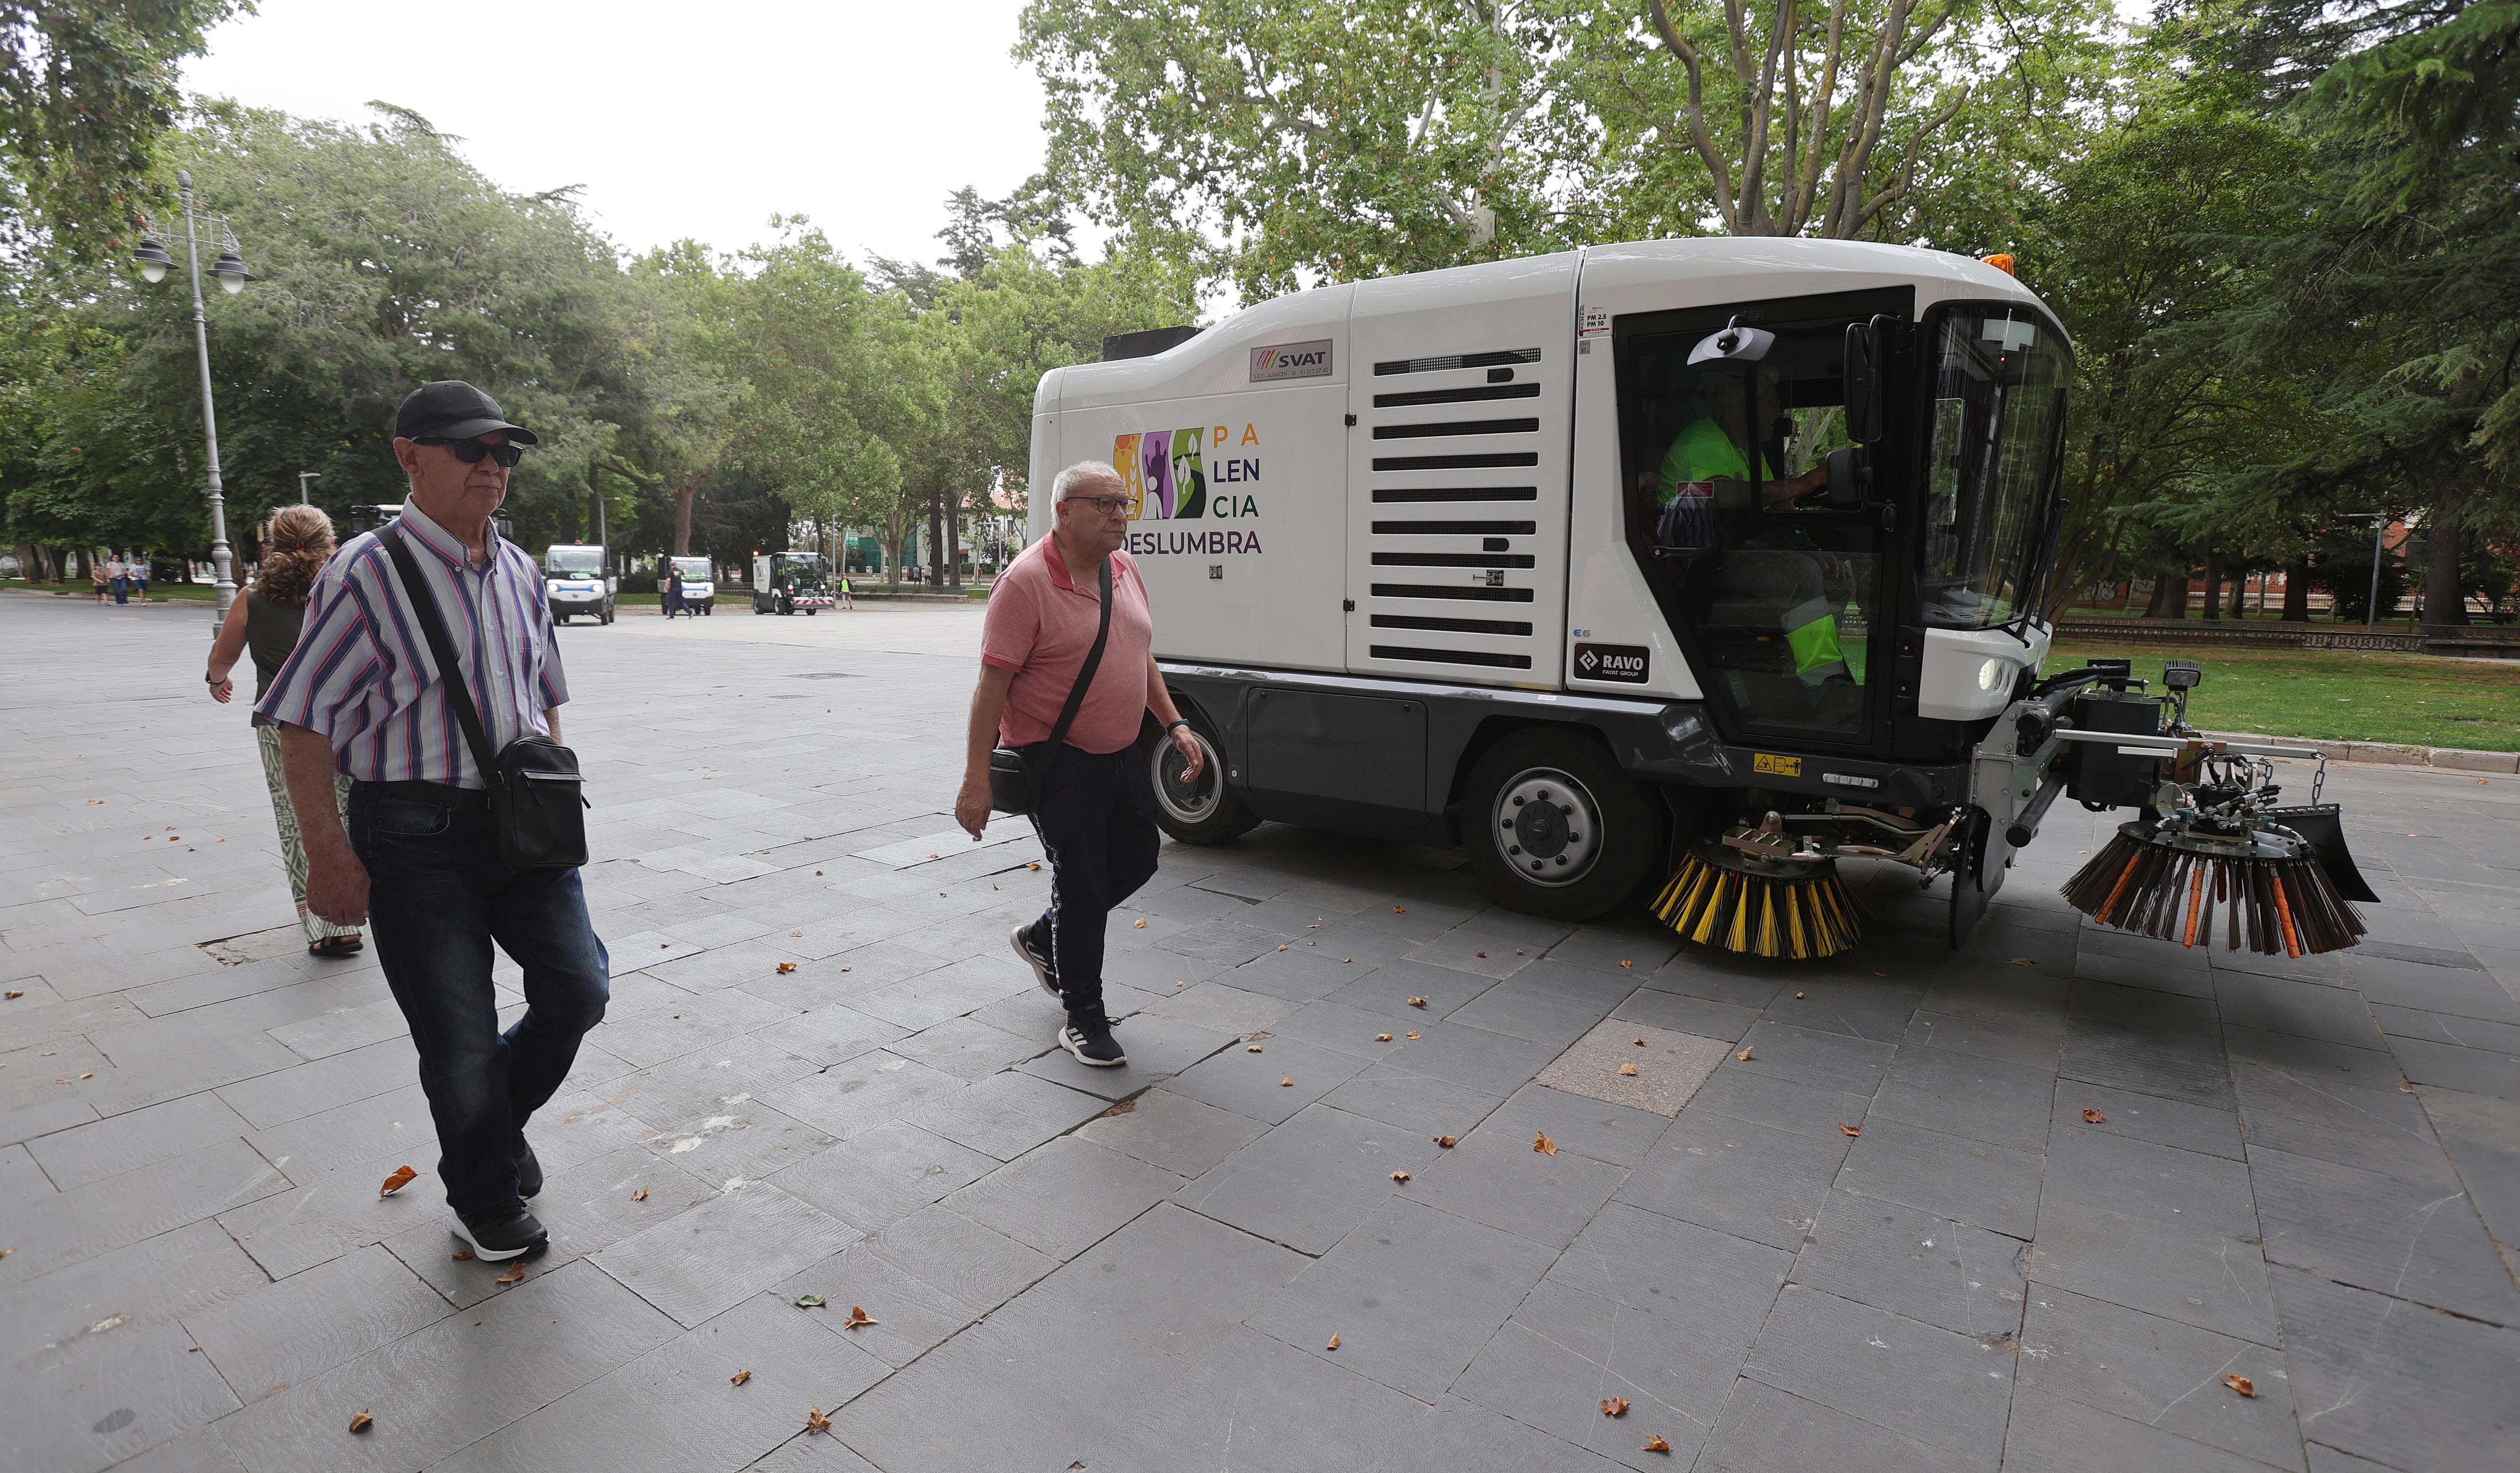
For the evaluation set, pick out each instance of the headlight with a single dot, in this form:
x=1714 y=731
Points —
x=1992 y=674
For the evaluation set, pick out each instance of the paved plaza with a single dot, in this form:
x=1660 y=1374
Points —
x=2065 y=1201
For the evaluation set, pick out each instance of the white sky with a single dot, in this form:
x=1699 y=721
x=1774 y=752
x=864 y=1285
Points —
x=679 y=121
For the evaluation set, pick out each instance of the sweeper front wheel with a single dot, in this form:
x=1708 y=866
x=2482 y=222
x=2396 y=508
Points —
x=1555 y=828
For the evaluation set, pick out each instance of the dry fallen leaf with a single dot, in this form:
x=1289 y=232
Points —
x=1446 y=1141
x=1743 y=1054
x=1479 y=954
x=1345 y=960
x=1400 y=1176
x=14 y=994
x=463 y=1254
x=1627 y=964
x=1251 y=1048
x=1334 y=1345
x=795 y=932
x=1615 y=1407
x=1413 y=1036
x=2241 y=1384
x=1798 y=995
x=1641 y=1043
x=1628 y=1070
x=858 y=1316
x=1381 y=1038
x=1416 y=1003
x=738 y=1378
x=1398 y=909
x=814 y=1421
x=2023 y=961
x=2094 y=1116
x=1287 y=1083
x=1281 y=949
x=809 y=1301
x=1542 y=1143
x=402 y=1177
x=1140 y=923
x=1036 y=864
x=641 y=1195
x=1851 y=1130
x=786 y=967
x=515 y=1276
x=1655 y=1443
x=360 y=1421
x=1125 y=1107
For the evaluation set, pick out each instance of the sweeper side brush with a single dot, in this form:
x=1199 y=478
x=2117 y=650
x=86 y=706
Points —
x=1765 y=908
x=2165 y=881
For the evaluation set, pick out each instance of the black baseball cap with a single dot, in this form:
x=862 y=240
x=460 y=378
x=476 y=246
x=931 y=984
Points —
x=452 y=410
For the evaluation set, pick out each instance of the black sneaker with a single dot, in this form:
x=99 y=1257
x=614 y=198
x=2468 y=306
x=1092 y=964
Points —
x=1032 y=958
x=509 y=1232
x=1090 y=1039
x=530 y=1169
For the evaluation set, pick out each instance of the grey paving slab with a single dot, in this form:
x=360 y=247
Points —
x=1303 y=973
x=2305 y=1009
x=93 y=1403
x=1950 y=1176
x=1840 y=1063
x=1172 y=1131
x=1641 y=1306
x=884 y=1175
x=2478 y=1070
x=1764 y=1430
x=1388 y=988
x=1988 y=1100
x=2150 y=1183
x=1222 y=1009
x=1412 y=1101
x=2443 y=1027
x=852 y=1098
x=1695 y=972
x=2190 y=1274
x=1913 y=1263
x=265 y=1340
x=831 y=1033
x=1139 y=1309
x=2148 y=1042
x=1473 y=1058
x=1946 y=1390
x=53 y=1232
x=1767 y=1098
x=457 y=1381
x=1413 y=1294
x=2483 y=1135
x=665 y=1031
x=1310 y=1180
x=586 y=1206
x=1604 y=1131
x=911 y=1317
x=704 y=1260
x=1532 y=1008
x=1066 y=1196
x=966 y=1047
x=2458 y=990
x=1257 y=1084
x=1259 y=1405
x=1751 y=1180
x=978 y=1266
x=1871 y=1008
x=2161 y=1374
x=2054 y=1435
x=154 y=1281
x=2379 y=1232
x=749 y=1140
x=1350 y=1031
x=2035 y=1040
x=2146 y=1117
x=677 y=1405
x=722 y=1077
x=1156 y=1046
x=82 y=1154
x=1006 y=1115
x=1544 y=1197
x=1636 y=1065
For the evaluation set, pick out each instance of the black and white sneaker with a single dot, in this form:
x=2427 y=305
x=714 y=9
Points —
x=1039 y=963
x=1090 y=1039
x=510 y=1233
x=530 y=1169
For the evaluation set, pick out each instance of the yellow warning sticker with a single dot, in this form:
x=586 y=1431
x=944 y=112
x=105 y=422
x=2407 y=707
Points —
x=1780 y=767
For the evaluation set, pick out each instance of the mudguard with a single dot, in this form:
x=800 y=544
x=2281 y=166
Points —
x=2321 y=826
x=1979 y=873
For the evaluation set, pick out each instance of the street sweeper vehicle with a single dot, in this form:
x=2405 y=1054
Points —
x=1677 y=568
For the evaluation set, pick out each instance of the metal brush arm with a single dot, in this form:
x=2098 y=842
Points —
x=2318 y=775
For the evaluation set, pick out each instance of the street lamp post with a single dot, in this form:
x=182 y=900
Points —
x=232 y=276
x=304 y=477
x=2380 y=527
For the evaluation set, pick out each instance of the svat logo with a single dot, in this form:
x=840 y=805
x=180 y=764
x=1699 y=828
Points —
x=1292 y=360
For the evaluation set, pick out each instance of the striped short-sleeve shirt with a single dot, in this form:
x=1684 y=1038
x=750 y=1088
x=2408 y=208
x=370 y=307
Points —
x=362 y=675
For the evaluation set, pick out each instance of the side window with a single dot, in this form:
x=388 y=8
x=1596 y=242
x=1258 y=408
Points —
x=1774 y=593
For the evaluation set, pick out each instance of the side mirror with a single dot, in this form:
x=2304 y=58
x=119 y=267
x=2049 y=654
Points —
x=1865 y=343
x=1850 y=480
x=1736 y=344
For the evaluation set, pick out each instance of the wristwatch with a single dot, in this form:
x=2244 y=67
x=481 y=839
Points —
x=214 y=679
x=1169 y=725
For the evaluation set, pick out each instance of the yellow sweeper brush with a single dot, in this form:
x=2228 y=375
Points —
x=1765 y=908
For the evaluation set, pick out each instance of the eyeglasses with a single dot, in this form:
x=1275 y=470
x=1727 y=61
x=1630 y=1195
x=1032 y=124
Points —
x=1109 y=506
x=471 y=451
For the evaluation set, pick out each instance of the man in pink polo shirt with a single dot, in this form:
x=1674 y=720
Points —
x=1096 y=812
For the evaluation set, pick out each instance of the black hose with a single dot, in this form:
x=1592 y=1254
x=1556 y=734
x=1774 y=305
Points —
x=2026 y=827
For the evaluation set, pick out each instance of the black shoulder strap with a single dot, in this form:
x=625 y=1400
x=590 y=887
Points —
x=1084 y=674
x=450 y=670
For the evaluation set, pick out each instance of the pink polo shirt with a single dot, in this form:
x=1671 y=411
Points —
x=1040 y=624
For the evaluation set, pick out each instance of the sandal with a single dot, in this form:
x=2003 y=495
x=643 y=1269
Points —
x=337 y=945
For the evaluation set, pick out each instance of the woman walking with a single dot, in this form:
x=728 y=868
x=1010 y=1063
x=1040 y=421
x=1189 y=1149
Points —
x=295 y=546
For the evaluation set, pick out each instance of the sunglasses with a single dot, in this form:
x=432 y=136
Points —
x=471 y=451
x=1109 y=506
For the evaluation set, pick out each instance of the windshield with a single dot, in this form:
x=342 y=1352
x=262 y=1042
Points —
x=800 y=570
x=1999 y=376
x=694 y=569
x=573 y=561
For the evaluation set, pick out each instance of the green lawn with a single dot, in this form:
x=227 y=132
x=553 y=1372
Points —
x=2339 y=695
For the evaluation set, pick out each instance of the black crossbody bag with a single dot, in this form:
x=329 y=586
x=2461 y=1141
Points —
x=1015 y=786
x=537 y=796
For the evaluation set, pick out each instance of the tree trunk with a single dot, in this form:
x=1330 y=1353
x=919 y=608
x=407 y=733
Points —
x=2445 y=602
x=954 y=543
x=2240 y=594
x=684 y=494
x=2296 y=604
x=2214 y=585
x=2168 y=596
x=83 y=564
x=935 y=538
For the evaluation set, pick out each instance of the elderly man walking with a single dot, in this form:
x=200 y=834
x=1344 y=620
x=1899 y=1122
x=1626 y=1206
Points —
x=420 y=863
x=1095 y=803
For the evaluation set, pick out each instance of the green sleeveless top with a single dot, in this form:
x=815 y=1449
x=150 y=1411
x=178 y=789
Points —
x=270 y=633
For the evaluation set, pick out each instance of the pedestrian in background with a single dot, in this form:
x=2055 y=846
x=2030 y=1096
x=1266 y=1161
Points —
x=848 y=598
x=420 y=860
x=672 y=588
x=296 y=545
x=140 y=576
x=1095 y=806
x=118 y=574
x=102 y=577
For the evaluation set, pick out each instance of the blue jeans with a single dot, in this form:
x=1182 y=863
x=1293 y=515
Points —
x=437 y=899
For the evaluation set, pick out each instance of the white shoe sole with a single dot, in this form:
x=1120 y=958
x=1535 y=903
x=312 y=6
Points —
x=1069 y=1041
x=1041 y=974
x=494 y=1254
